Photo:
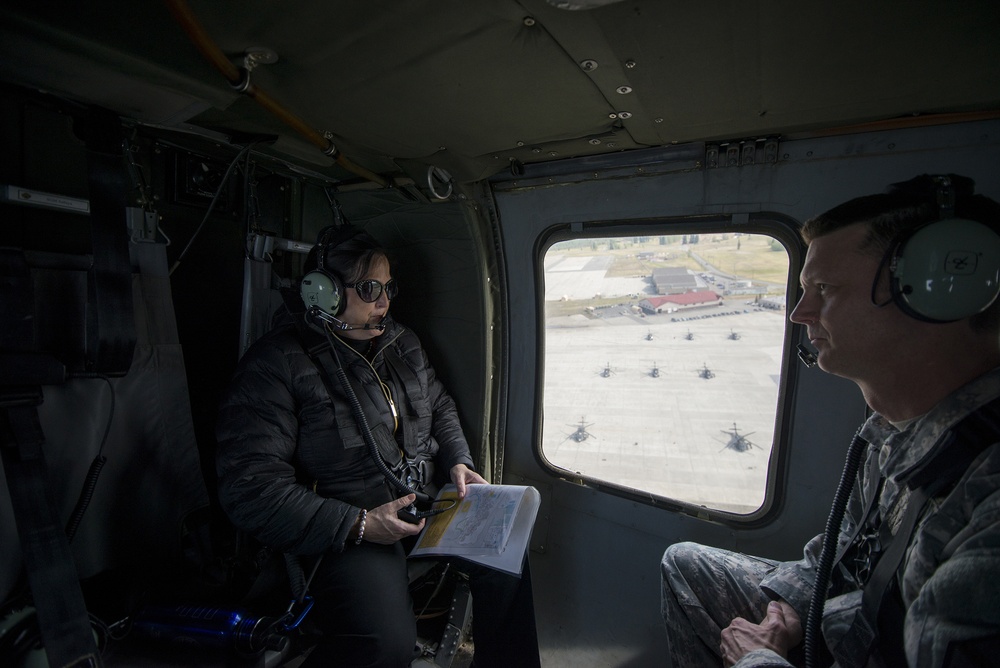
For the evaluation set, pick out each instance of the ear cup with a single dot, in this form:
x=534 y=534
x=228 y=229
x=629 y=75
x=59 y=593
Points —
x=946 y=270
x=320 y=287
x=323 y=289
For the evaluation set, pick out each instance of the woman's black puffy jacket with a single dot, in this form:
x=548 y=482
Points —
x=293 y=467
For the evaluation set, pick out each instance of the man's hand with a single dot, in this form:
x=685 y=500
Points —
x=779 y=631
x=462 y=475
x=382 y=526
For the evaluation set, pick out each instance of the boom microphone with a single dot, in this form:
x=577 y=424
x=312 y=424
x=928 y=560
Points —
x=807 y=357
x=317 y=315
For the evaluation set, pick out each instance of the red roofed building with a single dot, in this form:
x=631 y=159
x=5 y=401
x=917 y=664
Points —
x=667 y=303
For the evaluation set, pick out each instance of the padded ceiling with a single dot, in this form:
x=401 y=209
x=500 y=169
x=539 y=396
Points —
x=469 y=85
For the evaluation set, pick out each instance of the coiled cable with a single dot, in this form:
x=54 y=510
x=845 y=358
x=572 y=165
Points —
x=824 y=569
x=366 y=432
x=90 y=482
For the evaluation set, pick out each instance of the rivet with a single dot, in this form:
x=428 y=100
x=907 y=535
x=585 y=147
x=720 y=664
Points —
x=625 y=114
x=611 y=144
x=595 y=142
x=553 y=154
x=536 y=150
x=588 y=65
x=657 y=120
x=612 y=115
x=520 y=143
x=529 y=20
x=629 y=64
x=623 y=90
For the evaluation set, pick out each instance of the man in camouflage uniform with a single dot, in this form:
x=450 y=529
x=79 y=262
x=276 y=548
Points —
x=921 y=378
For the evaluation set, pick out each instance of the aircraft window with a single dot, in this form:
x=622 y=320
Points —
x=662 y=363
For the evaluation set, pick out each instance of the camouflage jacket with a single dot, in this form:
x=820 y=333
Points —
x=950 y=576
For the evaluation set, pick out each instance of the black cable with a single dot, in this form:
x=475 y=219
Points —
x=222 y=185
x=824 y=568
x=366 y=432
x=90 y=482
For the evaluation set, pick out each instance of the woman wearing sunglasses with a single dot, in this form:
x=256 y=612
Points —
x=311 y=403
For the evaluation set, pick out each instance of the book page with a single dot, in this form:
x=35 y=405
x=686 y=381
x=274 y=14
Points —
x=491 y=526
x=480 y=524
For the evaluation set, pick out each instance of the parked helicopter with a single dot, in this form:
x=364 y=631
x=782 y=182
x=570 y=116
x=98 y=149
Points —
x=581 y=434
x=689 y=336
x=649 y=335
x=655 y=373
x=734 y=335
x=737 y=441
x=607 y=371
x=706 y=373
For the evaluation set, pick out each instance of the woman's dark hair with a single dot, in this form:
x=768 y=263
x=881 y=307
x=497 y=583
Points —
x=350 y=252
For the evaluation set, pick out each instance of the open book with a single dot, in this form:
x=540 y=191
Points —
x=490 y=526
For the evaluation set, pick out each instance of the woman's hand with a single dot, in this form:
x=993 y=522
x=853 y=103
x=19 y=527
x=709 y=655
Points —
x=462 y=475
x=383 y=527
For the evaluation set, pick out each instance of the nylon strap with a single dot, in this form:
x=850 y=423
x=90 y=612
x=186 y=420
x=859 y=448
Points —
x=405 y=378
x=956 y=450
x=111 y=335
x=60 y=608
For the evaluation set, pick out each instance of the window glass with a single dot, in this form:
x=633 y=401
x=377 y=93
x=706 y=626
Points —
x=662 y=363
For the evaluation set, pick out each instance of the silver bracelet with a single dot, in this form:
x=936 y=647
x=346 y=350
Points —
x=361 y=528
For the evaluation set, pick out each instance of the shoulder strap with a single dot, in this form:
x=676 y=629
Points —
x=955 y=452
x=60 y=608
x=404 y=377
x=321 y=355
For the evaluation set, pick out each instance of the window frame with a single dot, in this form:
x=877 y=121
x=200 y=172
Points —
x=778 y=226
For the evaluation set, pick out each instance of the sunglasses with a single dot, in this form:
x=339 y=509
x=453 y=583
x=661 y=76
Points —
x=369 y=289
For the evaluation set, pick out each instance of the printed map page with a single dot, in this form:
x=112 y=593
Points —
x=480 y=524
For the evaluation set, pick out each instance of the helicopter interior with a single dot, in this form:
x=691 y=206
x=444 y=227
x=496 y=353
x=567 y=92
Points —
x=168 y=165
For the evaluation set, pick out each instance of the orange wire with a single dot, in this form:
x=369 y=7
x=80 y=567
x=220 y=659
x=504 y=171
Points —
x=182 y=13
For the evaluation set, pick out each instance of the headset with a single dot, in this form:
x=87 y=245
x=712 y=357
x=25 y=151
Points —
x=322 y=291
x=944 y=270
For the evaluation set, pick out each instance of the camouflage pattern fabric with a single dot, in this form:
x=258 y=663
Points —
x=949 y=580
x=703 y=589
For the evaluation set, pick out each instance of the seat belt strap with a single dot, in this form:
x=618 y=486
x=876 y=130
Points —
x=387 y=447
x=406 y=379
x=62 y=615
x=111 y=335
x=956 y=450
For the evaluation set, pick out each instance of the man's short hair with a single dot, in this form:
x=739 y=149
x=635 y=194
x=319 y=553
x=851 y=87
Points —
x=903 y=207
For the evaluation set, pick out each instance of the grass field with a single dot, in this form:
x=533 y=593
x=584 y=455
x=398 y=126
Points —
x=749 y=257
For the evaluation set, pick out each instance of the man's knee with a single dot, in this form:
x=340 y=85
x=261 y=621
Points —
x=679 y=556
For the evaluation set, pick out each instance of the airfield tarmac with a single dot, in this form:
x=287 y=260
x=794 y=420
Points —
x=669 y=435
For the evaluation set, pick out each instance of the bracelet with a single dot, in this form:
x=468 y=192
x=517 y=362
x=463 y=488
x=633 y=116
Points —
x=361 y=527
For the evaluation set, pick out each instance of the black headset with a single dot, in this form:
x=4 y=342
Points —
x=944 y=270
x=321 y=287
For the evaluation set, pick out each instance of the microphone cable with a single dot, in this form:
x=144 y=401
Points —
x=824 y=569
x=90 y=482
x=366 y=432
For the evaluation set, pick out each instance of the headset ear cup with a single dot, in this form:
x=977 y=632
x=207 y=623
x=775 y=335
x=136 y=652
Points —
x=324 y=290
x=947 y=270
